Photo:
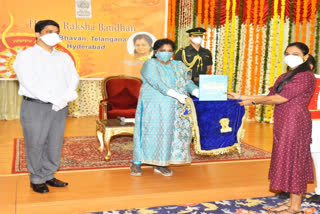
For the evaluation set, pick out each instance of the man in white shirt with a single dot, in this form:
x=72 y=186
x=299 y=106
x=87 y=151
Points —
x=48 y=81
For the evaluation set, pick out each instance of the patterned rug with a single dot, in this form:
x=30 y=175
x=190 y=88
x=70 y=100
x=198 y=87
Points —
x=241 y=206
x=82 y=153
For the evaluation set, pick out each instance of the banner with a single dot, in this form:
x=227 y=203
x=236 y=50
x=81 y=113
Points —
x=103 y=37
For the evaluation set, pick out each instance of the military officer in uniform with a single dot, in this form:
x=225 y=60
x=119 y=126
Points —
x=194 y=56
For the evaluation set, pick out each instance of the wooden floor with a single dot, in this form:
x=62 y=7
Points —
x=111 y=189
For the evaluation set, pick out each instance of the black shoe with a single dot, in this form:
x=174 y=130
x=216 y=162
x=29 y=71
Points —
x=40 y=188
x=283 y=195
x=315 y=199
x=56 y=183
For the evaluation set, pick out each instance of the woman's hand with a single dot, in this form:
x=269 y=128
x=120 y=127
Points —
x=233 y=96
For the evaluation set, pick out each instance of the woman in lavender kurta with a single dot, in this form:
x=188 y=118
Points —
x=162 y=136
x=291 y=163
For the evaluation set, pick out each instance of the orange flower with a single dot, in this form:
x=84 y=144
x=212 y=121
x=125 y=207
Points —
x=312 y=24
x=205 y=21
x=253 y=62
x=304 y=20
x=298 y=8
x=199 y=12
x=246 y=49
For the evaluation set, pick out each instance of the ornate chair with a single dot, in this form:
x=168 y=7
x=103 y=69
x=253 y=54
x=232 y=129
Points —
x=120 y=97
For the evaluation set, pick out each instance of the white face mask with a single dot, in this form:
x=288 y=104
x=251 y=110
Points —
x=196 y=40
x=51 y=39
x=293 y=61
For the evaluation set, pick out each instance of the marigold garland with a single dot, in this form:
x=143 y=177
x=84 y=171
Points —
x=260 y=44
x=233 y=26
x=246 y=50
x=266 y=56
x=317 y=37
x=304 y=20
x=253 y=62
x=173 y=20
x=226 y=39
x=199 y=12
x=212 y=7
x=194 y=13
x=238 y=45
x=273 y=52
x=176 y=29
x=280 y=63
x=290 y=20
x=312 y=24
x=217 y=35
x=169 y=19
x=298 y=8
x=205 y=21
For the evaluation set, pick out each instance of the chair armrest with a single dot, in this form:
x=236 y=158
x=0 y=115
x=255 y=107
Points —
x=104 y=107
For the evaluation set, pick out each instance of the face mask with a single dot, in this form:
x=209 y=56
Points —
x=293 y=61
x=196 y=40
x=51 y=39
x=164 y=56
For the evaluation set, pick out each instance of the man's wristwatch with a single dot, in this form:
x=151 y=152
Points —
x=253 y=103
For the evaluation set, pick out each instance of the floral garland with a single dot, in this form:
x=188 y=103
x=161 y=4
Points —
x=265 y=63
x=244 y=74
x=194 y=13
x=238 y=45
x=217 y=35
x=280 y=63
x=317 y=37
x=220 y=49
x=169 y=19
x=212 y=7
x=253 y=62
x=312 y=24
x=205 y=21
x=290 y=20
x=304 y=21
x=273 y=52
x=226 y=40
x=173 y=19
x=260 y=45
x=298 y=8
x=176 y=29
x=232 y=44
x=199 y=12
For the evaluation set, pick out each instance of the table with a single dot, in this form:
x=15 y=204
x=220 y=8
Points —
x=108 y=128
x=220 y=126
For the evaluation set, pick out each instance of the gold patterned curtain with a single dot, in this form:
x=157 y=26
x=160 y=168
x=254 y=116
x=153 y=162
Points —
x=10 y=101
x=87 y=104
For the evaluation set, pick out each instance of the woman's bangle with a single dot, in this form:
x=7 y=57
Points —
x=239 y=97
x=253 y=103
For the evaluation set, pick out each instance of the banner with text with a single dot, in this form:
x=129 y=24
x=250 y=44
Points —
x=103 y=37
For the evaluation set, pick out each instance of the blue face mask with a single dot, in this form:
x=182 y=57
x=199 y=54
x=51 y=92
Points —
x=164 y=56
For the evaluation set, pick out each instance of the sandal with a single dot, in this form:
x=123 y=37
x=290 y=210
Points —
x=279 y=208
x=163 y=170
x=135 y=170
x=287 y=211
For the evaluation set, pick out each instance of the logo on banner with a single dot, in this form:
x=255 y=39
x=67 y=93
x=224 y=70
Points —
x=83 y=9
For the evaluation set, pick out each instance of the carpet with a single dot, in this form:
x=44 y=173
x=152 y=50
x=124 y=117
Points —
x=241 y=206
x=81 y=153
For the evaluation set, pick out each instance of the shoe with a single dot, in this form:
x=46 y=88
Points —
x=315 y=199
x=40 y=188
x=283 y=195
x=56 y=183
x=163 y=170
x=135 y=170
